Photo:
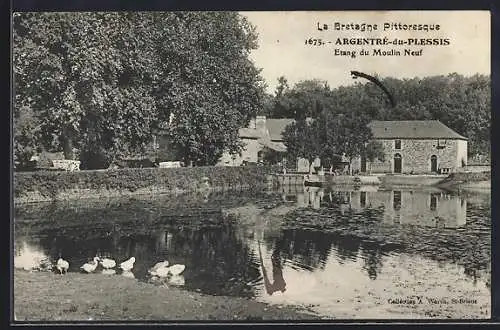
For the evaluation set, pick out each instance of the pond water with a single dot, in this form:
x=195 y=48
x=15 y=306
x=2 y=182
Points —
x=339 y=253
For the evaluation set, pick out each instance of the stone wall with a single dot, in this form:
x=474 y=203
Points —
x=416 y=156
x=461 y=153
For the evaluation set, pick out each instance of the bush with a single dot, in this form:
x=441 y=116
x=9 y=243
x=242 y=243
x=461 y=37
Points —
x=49 y=183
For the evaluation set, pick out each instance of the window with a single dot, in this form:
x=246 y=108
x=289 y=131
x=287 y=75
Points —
x=441 y=144
x=396 y=200
x=397 y=144
x=434 y=200
x=362 y=198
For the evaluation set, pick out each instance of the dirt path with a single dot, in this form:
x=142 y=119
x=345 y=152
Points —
x=40 y=296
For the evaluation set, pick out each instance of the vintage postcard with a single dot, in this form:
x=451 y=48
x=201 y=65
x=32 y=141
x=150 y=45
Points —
x=255 y=166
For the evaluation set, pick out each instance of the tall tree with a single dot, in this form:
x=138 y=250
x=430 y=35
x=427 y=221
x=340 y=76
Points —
x=102 y=82
x=302 y=140
x=373 y=151
x=330 y=135
x=280 y=107
x=306 y=99
x=213 y=88
x=81 y=75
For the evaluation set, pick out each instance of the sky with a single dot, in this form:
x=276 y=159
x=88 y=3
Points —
x=282 y=49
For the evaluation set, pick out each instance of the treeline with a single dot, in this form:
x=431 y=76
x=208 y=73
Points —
x=103 y=83
x=462 y=103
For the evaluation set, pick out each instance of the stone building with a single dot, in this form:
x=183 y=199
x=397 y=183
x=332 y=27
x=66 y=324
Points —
x=262 y=135
x=415 y=147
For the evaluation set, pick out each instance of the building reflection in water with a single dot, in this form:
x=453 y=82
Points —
x=423 y=208
x=432 y=209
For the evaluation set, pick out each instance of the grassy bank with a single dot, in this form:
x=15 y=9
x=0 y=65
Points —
x=470 y=177
x=469 y=181
x=96 y=297
x=50 y=186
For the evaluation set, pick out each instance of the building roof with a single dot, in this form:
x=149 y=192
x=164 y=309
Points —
x=250 y=133
x=273 y=130
x=413 y=129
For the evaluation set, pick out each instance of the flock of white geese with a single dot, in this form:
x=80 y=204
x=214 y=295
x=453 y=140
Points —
x=161 y=269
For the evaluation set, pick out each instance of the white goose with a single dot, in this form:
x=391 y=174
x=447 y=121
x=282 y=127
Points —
x=176 y=269
x=62 y=265
x=128 y=264
x=158 y=265
x=108 y=263
x=89 y=267
x=160 y=272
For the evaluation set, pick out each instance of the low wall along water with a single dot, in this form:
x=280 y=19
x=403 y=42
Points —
x=45 y=186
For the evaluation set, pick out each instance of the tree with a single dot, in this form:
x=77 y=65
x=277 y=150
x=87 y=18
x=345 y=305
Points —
x=102 y=82
x=374 y=151
x=214 y=88
x=268 y=106
x=279 y=107
x=348 y=135
x=306 y=99
x=302 y=140
x=81 y=75
x=329 y=135
x=26 y=135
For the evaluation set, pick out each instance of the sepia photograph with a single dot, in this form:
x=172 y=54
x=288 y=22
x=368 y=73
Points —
x=223 y=166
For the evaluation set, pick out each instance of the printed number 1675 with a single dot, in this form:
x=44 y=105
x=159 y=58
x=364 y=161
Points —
x=314 y=42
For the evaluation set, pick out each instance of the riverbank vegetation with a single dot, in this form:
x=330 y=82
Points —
x=50 y=185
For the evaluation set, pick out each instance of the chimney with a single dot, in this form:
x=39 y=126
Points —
x=260 y=123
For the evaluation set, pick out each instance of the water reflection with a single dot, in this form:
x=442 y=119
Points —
x=278 y=283
x=353 y=252
x=408 y=207
x=128 y=274
x=108 y=271
x=28 y=256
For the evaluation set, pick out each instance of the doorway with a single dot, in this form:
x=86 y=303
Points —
x=363 y=164
x=398 y=166
x=434 y=164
